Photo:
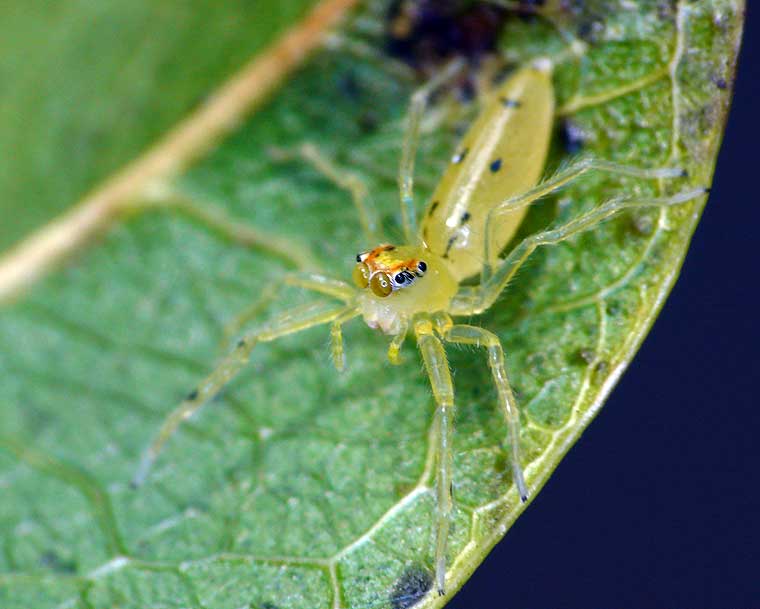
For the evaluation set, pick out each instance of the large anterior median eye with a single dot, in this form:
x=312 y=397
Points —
x=380 y=284
x=361 y=275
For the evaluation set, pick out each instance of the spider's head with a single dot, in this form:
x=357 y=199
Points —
x=387 y=269
x=398 y=281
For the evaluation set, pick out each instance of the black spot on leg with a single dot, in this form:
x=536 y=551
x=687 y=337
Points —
x=192 y=395
x=465 y=216
x=414 y=583
x=495 y=165
x=433 y=207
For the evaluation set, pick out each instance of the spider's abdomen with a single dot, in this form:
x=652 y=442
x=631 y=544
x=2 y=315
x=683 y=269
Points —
x=502 y=154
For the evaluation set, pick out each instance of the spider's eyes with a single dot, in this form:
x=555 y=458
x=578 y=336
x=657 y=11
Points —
x=361 y=275
x=380 y=284
x=400 y=278
x=421 y=267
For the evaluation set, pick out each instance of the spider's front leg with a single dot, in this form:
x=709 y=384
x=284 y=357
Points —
x=437 y=367
x=289 y=322
x=462 y=334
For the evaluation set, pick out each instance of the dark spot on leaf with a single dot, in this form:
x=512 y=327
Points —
x=265 y=605
x=642 y=224
x=601 y=368
x=613 y=309
x=586 y=355
x=572 y=136
x=367 y=122
x=53 y=561
x=192 y=395
x=495 y=165
x=414 y=583
x=241 y=343
x=426 y=34
x=348 y=85
x=591 y=30
x=433 y=207
x=465 y=216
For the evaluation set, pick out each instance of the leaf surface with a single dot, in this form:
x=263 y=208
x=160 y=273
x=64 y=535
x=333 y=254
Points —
x=299 y=486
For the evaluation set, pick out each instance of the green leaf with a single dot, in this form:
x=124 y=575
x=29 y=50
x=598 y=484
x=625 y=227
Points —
x=299 y=486
x=89 y=84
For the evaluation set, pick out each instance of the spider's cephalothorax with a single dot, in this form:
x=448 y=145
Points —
x=399 y=281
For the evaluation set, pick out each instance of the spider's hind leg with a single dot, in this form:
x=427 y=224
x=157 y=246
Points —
x=563 y=177
x=289 y=322
x=348 y=181
x=475 y=300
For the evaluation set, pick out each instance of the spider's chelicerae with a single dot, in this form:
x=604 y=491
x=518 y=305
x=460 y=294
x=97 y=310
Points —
x=417 y=287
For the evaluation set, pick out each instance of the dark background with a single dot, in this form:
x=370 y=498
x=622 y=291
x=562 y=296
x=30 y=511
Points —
x=657 y=504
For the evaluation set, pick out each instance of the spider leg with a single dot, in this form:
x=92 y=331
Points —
x=437 y=368
x=307 y=281
x=471 y=335
x=395 y=346
x=560 y=179
x=288 y=322
x=345 y=180
x=411 y=140
x=336 y=338
x=475 y=300
x=237 y=231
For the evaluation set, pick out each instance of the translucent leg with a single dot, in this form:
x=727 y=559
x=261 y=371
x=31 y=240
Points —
x=336 y=339
x=289 y=322
x=437 y=368
x=308 y=281
x=409 y=147
x=562 y=178
x=342 y=179
x=472 y=335
x=395 y=346
x=237 y=231
x=472 y=301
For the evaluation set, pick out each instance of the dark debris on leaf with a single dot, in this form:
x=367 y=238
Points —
x=427 y=33
x=415 y=582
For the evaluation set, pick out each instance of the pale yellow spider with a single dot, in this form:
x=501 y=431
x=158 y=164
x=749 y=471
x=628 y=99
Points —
x=471 y=217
